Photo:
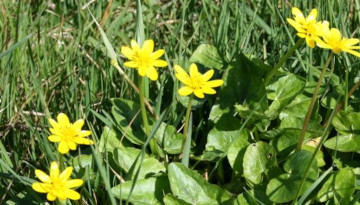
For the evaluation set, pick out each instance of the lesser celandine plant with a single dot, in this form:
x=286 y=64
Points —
x=144 y=59
x=197 y=84
x=57 y=185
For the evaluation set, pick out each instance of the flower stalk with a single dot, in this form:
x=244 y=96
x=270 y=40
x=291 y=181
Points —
x=312 y=103
x=186 y=126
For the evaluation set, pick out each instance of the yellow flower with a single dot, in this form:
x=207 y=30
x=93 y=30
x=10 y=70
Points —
x=308 y=27
x=57 y=185
x=144 y=59
x=196 y=83
x=68 y=134
x=333 y=40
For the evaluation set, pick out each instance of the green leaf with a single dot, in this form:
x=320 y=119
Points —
x=283 y=91
x=344 y=143
x=237 y=150
x=208 y=56
x=259 y=119
x=146 y=191
x=258 y=158
x=82 y=161
x=126 y=114
x=168 y=137
x=169 y=199
x=224 y=132
x=243 y=84
x=340 y=185
x=283 y=188
x=193 y=188
x=109 y=140
x=125 y=157
x=347 y=122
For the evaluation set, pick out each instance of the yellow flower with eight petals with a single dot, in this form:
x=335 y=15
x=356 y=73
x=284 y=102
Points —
x=333 y=40
x=57 y=185
x=308 y=27
x=196 y=82
x=144 y=59
x=68 y=134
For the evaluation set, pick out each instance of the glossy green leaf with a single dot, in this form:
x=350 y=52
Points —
x=193 y=188
x=128 y=119
x=283 y=188
x=208 y=56
x=258 y=158
x=347 y=122
x=237 y=150
x=169 y=199
x=344 y=143
x=109 y=140
x=146 y=191
x=125 y=157
x=283 y=91
x=169 y=139
x=224 y=132
x=340 y=185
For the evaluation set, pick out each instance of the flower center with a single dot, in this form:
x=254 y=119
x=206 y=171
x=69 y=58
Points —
x=57 y=185
x=143 y=58
x=197 y=82
x=68 y=133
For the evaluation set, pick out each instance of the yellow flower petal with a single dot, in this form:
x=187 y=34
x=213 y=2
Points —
x=127 y=52
x=312 y=16
x=54 y=138
x=355 y=53
x=54 y=170
x=208 y=90
x=206 y=76
x=193 y=70
x=142 y=70
x=159 y=63
x=131 y=64
x=63 y=120
x=148 y=46
x=54 y=124
x=42 y=176
x=322 y=44
x=152 y=73
x=351 y=41
x=296 y=25
x=214 y=83
x=78 y=125
x=180 y=70
x=71 y=145
x=134 y=45
x=334 y=35
x=184 y=91
x=56 y=131
x=41 y=187
x=157 y=54
x=198 y=93
x=63 y=148
x=71 y=194
x=51 y=197
x=183 y=78
x=310 y=42
x=83 y=141
x=296 y=12
x=66 y=174
x=73 y=183
x=84 y=133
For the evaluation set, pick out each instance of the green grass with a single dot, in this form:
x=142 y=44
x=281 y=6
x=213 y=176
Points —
x=53 y=59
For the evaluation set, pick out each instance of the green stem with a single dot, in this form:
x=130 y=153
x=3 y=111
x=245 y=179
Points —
x=346 y=88
x=152 y=142
x=312 y=103
x=142 y=105
x=282 y=60
x=187 y=116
